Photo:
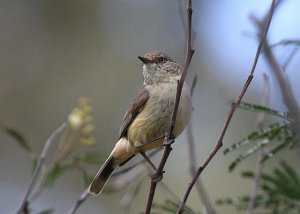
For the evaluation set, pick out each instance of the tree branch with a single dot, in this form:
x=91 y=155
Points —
x=192 y=157
x=169 y=139
x=34 y=179
x=231 y=113
x=283 y=82
x=79 y=201
x=259 y=166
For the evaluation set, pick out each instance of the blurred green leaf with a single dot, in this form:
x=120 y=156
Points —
x=48 y=211
x=90 y=158
x=288 y=142
x=264 y=109
x=34 y=163
x=280 y=191
x=279 y=132
x=86 y=178
x=14 y=133
x=246 y=154
x=283 y=181
x=55 y=173
x=273 y=131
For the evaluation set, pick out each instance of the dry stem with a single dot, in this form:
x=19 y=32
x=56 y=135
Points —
x=231 y=113
x=169 y=139
x=34 y=179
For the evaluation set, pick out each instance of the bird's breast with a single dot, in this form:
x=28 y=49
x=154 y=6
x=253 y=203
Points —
x=154 y=120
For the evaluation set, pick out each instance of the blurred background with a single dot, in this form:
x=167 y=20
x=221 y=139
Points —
x=53 y=52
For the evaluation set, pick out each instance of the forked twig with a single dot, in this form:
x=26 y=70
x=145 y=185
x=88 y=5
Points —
x=169 y=139
x=38 y=168
x=231 y=113
x=284 y=84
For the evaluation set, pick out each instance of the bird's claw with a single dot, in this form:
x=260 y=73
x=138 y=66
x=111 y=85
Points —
x=156 y=176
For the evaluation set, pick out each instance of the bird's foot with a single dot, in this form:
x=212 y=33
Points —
x=156 y=176
x=169 y=140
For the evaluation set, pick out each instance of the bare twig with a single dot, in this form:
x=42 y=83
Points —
x=192 y=157
x=169 y=139
x=50 y=140
x=287 y=42
x=231 y=113
x=199 y=186
x=283 y=82
x=289 y=59
x=79 y=201
x=259 y=166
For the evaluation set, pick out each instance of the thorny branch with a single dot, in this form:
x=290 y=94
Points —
x=169 y=139
x=232 y=111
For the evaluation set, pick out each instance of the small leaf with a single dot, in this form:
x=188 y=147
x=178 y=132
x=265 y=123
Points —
x=90 y=158
x=34 y=163
x=14 y=133
x=288 y=142
x=246 y=154
x=86 y=178
x=273 y=131
x=263 y=109
x=48 y=211
x=247 y=174
x=56 y=172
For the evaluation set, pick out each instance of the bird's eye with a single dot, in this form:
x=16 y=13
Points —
x=162 y=59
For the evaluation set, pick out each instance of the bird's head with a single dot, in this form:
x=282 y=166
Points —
x=158 y=68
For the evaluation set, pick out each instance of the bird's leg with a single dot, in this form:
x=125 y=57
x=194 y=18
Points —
x=148 y=161
x=154 y=175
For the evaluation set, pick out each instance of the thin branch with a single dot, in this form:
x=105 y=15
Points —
x=283 y=82
x=286 y=42
x=259 y=166
x=50 y=140
x=169 y=139
x=289 y=59
x=231 y=113
x=79 y=201
x=192 y=157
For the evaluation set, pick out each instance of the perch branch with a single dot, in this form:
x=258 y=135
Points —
x=169 y=139
x=231 y=113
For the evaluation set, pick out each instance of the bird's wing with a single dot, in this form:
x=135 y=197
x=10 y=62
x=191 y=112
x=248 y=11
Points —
x=137 y=106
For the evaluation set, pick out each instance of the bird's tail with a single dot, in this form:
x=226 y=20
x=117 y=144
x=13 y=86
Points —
x=102 y=176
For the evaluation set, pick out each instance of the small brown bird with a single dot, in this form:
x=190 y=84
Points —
x=149 y=116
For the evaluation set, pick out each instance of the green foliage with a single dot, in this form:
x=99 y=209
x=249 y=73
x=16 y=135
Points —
x=264 y=109
x=170 y=207
x=280 y=191
x=279 y=133
x=18 y=136
x=57 y=171
x=48 y=211
x=89 y=158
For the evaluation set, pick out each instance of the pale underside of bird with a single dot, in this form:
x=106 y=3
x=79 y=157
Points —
x=149 y=116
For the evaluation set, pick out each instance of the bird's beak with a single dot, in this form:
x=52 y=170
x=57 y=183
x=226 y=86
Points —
x=144 y=60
